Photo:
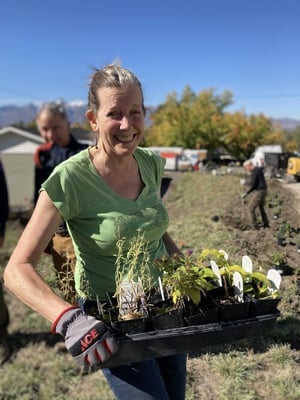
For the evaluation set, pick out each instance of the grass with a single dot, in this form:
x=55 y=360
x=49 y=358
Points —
x=264 y=368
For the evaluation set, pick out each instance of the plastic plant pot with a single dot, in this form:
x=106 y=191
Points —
x=168 y=319
x=131 y=326
x=263 y=306
x=234 y=311
x=207 y=316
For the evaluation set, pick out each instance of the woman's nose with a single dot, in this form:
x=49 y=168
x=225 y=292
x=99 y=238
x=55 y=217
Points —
x=125 y=122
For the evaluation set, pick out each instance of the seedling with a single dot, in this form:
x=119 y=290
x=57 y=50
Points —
x=133 y=278
x=278 y=258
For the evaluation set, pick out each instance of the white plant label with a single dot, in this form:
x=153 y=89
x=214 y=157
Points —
x=130 y=292
x=224 y=254
x=216 y=271
x=275 y=278
x=238 y=286
x=247 y=264
x=161 y=289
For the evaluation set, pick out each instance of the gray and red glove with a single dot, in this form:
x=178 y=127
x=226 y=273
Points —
x=86 y=338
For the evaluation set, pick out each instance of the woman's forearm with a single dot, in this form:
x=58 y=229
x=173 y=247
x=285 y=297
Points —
x=170 y=245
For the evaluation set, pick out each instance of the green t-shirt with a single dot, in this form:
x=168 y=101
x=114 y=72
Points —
x=97 y=218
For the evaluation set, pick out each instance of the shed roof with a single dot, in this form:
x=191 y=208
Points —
x=21 y=132
x=26 y=147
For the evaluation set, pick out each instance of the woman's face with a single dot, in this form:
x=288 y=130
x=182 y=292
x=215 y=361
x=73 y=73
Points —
x=119 y=121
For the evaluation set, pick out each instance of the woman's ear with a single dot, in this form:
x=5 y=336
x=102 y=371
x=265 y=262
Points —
x=90 y=115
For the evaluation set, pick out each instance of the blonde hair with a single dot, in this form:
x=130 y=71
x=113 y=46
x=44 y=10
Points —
x=110 y=76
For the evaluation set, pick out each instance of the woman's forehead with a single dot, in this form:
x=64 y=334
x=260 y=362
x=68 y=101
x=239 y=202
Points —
x=115 y=95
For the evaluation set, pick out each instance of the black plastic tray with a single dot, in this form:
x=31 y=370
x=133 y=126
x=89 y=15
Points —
x=143 y=346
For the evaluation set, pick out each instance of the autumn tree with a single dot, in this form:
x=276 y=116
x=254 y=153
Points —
x=292 y=140
x=200 y=121
x=191 y=121
x=242 y=133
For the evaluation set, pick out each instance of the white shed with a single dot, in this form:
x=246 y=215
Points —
x=17 y=148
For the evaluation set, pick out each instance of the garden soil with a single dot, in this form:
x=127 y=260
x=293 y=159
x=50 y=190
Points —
x=262 y=243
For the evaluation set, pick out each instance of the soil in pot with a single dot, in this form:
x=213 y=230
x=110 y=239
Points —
x=230 y=310
x=205 y=313
x=168 y=319
x=131 y=326
x=205 y=316
x=214 y=295
x=220 y=295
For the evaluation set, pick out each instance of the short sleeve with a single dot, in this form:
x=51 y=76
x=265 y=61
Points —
x=59 y=186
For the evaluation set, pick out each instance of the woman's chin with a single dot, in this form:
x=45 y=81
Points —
x=129 y=147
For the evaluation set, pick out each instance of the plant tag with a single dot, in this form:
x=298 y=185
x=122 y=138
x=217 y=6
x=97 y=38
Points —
x=130 y=291
x=224 y=254
x=161 y=289
x=238 y=286
x=216 y=271
x=275 y=279
x=247 y=264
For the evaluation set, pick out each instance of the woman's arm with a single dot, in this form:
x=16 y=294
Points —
x=170 y=245
x=20 y=275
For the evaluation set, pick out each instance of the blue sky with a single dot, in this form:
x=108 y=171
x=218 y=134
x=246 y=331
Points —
x=250 y=47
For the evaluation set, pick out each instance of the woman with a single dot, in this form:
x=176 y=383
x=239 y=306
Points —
x=107 y=192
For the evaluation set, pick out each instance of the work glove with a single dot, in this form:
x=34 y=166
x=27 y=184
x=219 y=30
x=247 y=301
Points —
x=86 y=338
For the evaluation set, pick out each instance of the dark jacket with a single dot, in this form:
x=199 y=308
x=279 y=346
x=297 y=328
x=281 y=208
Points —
x=257 y=180
x=48 y=156
x=4 y=207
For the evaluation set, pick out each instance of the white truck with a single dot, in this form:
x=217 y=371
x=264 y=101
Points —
x=176 y=160
x=196 y=155
x=258 y=157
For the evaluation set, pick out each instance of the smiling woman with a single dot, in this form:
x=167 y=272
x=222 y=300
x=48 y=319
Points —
x=120 y=120
x=105 y=193
x=118 y=125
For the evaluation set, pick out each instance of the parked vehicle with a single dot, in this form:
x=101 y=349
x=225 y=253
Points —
x=276 y=164
x=198 y=157
x=293 y=169
x=258 y=157
x=176 y=160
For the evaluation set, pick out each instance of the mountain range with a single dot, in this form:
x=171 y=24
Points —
x=13 y=114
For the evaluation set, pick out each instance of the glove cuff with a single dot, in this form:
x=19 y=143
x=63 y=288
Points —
x=61 y=323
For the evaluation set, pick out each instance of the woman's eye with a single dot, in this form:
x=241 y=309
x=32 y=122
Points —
x=136 y=112
x=114 y=114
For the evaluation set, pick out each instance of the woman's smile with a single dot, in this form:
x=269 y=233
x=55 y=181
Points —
x=125 y=138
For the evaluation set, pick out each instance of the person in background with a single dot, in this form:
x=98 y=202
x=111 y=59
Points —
x=105 y=193
x=258 y=188
x=4 y=314
x=54 y=127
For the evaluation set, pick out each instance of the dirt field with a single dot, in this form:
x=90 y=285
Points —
x=263 y=243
